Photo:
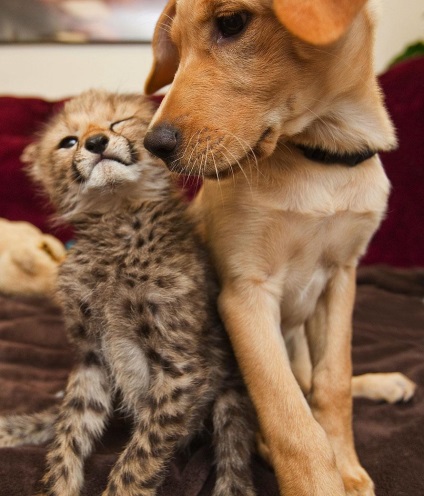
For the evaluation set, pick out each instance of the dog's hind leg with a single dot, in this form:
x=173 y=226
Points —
x=300 y=359
x=392 y=387
x=329 y=333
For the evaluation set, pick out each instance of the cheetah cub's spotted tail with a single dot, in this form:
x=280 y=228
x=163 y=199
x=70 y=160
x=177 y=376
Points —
x=139 y=300
x=34 y=428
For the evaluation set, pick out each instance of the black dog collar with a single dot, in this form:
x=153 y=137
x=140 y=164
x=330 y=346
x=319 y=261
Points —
x=326 y=157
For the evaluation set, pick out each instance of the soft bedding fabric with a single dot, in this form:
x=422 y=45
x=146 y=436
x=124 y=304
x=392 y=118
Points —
x=388 y=336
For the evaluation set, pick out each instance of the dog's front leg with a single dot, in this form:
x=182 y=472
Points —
x=300 y=451
x=329 y=333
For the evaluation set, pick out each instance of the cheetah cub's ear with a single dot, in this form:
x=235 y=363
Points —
x=30 y=157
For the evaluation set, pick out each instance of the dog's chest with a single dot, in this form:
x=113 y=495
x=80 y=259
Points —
x=292 y=239
x=300 y=296
x=314 y=249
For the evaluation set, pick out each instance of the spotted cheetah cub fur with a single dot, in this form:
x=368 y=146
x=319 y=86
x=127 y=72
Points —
x=139 y=301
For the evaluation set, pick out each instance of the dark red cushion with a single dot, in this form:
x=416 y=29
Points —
x=23 y=116
x=20 y=119
x=400 y=240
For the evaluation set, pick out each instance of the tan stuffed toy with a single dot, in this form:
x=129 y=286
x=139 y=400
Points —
x=29 y=259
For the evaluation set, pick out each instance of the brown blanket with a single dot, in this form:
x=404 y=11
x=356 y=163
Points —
x=388 y=336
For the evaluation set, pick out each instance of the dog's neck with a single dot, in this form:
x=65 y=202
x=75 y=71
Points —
x=350 y=126
x=351 y=118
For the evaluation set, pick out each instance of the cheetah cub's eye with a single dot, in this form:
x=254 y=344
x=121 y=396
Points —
x=68 y=142
x=118 y=126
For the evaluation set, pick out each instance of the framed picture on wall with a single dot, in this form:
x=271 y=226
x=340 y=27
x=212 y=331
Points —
x=78 y=21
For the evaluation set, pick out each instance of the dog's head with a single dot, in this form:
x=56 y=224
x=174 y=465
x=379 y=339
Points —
x=244 y=78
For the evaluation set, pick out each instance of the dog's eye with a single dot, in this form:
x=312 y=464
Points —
x=68 y=142
x=230 y=25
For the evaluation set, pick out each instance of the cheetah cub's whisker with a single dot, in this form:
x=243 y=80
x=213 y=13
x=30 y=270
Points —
x=139 y=300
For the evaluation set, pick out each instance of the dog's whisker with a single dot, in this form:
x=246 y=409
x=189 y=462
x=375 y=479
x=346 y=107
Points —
x=201 y=168
x=215 y=167
x=236 y=161
x=182 y=155
x=286 y=147
x=230 y=165
x=165 y=27
x=188 y=144
x=249 y=152
x=217 y=176
x=204 y=158
x=201 y=175
x=194 y=163
x=185 y=179
x=166 y=16
x=188 y=162
x=195 y=146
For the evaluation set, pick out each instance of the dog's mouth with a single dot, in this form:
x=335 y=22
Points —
x=222 y=162
x=264 y=135
x=252 y=156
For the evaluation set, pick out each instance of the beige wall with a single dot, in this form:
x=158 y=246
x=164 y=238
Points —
x=401 y=22
x=57 y=71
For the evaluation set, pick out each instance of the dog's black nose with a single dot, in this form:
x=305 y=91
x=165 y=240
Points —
x=96 y=143
x=162 y=141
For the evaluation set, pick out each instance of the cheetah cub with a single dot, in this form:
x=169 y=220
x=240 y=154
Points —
x=139 y=301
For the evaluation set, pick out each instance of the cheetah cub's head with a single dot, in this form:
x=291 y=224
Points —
x=90 y=156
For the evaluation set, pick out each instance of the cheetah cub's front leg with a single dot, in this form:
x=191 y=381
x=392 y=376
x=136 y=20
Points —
x=82 y=418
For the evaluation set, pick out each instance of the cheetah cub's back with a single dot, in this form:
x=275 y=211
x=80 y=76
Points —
x=139 y=299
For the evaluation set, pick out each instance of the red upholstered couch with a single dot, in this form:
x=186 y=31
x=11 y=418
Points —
x=399 y=242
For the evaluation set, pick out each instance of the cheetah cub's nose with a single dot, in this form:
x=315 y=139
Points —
x=96 y=143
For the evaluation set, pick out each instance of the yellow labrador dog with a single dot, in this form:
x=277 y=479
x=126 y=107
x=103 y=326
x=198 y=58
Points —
x=275 y=105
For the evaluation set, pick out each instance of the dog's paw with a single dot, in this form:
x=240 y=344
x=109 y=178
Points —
x=358 y=483
x=391 y=387
x=399 y=388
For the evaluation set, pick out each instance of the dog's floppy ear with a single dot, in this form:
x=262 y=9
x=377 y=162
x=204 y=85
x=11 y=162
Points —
x=317 y=21
x=165 y=53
